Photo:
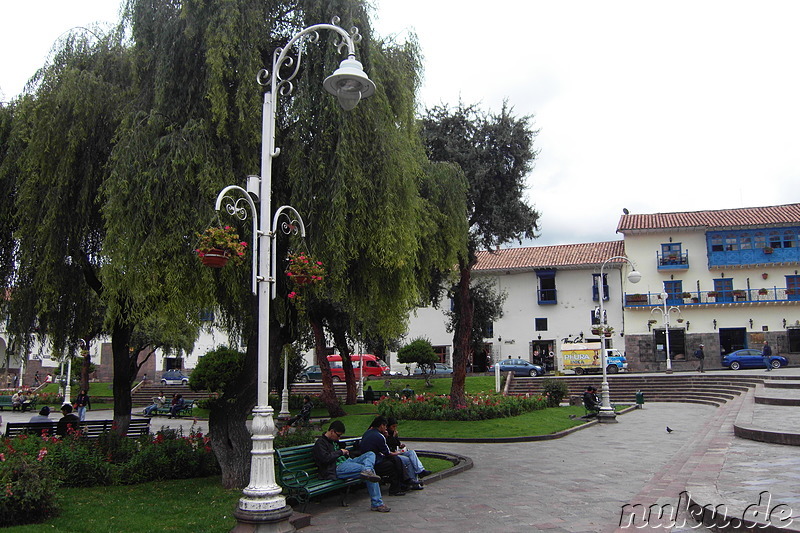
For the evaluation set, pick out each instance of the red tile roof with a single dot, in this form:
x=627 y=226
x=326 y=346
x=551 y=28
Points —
x=563 y=256
x=776 y=215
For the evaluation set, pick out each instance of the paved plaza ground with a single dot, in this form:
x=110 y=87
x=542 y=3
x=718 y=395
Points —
x=581 y=482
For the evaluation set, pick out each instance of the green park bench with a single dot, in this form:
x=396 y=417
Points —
x=186 y=410
x=5 y=401
x=297 y=474
x=91 y=429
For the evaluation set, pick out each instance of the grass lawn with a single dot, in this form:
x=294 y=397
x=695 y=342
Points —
x=196 y=505
x=542 y=422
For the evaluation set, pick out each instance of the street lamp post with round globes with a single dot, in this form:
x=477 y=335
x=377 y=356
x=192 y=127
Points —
x=262 y=508
x=606 y=413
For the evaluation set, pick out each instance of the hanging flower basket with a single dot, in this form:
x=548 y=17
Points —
x=214 y=258
x=595 y=331
x=218 y=245
x=304 y=270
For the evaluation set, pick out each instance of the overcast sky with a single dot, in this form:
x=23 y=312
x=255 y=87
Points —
x=649 y=106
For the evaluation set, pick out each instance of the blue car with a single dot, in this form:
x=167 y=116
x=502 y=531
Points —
x=519 y=367
x=749 y=358
x=312 y=373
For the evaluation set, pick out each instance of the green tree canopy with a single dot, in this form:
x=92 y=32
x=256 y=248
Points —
x=495 y=152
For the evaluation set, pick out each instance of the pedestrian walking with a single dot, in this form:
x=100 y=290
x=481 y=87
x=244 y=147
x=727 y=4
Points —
x=701 y=358
x=766 y=354
x=81 y=403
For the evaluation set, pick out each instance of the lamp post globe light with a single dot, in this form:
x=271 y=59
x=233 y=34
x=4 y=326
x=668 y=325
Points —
x=606 y=413
x=262 y=508
x=665 y=313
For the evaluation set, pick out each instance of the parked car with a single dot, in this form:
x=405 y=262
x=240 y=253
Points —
x=174 y=377
x=373 y=367
x=750 y=358
x=312 y=373
x=519 y=367
x=439 y=368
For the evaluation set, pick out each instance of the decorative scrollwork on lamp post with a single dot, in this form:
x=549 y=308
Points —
x=262 y=507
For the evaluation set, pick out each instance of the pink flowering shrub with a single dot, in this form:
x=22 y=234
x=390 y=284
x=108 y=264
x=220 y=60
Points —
x=32 y=467
x=28 y=489
x=478 y=407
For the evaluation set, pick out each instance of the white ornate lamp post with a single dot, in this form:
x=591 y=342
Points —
x=262 y=508
x=284 y=414
x=665 y=313
x=607 y=413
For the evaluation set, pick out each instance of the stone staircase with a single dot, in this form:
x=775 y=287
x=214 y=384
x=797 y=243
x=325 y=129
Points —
x=708 y=388
x=143 y=395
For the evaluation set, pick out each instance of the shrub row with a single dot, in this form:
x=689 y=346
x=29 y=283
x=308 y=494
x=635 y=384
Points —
x=478 y=407
x=33 y=467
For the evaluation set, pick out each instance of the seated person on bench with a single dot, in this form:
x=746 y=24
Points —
x=305 y=412
x=334 y=462
x=591 y=402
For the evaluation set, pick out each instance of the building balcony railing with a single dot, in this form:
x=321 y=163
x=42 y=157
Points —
x=673 y=261
x=547 y=296
x=774 y=294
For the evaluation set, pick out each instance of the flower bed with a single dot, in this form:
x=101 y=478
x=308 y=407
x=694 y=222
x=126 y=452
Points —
x=33 y=467
x=478 y=407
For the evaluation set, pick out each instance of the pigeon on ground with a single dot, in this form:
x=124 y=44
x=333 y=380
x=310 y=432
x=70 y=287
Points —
x=669 y=429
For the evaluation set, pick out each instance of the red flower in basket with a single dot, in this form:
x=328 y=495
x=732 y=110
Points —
x=304 y=270
x=218 y=245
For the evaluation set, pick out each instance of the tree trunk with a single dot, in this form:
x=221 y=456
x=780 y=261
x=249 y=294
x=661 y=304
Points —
x=462 y=337
x=227 y=424
x=120 y=343
x=350 y=376
x=328 y=396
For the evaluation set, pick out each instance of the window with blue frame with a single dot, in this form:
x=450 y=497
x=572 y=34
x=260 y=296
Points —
x=724 y=289
x=673 y=256
x=749 y=247
x=674 y=289
x=547 y=287
x=793 y=287
x=595 y=288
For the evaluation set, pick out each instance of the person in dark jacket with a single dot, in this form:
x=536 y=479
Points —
x=334 y=462
x=81 y=403
x=766 y=354
x=177 y=404
x=69 y=422
x=387 y=462
x=414 y=470
x=305 y=412
x=700 y=355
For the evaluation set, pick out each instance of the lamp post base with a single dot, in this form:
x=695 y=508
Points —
x=607 y=417
x=273 y=521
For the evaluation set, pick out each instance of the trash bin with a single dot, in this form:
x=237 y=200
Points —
x=639 y=399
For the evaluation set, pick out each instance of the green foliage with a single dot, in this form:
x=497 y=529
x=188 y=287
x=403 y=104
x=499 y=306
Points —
x=554 y=390
x=487 y=304
x=111 y=459
x=481 y=407
x=419 y=351
x=289 y=436
x=217 y=372
x=29 y=489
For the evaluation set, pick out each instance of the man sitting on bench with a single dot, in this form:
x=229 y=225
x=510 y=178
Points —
x=334 y=462
x=591 y=402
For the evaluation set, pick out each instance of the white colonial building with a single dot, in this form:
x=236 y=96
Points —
x=552 y=298
x=730 y=276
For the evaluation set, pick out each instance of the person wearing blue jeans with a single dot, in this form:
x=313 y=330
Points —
x=334 y=462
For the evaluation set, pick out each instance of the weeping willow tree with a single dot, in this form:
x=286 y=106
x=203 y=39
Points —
x=121 y=148
x=384 y=220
